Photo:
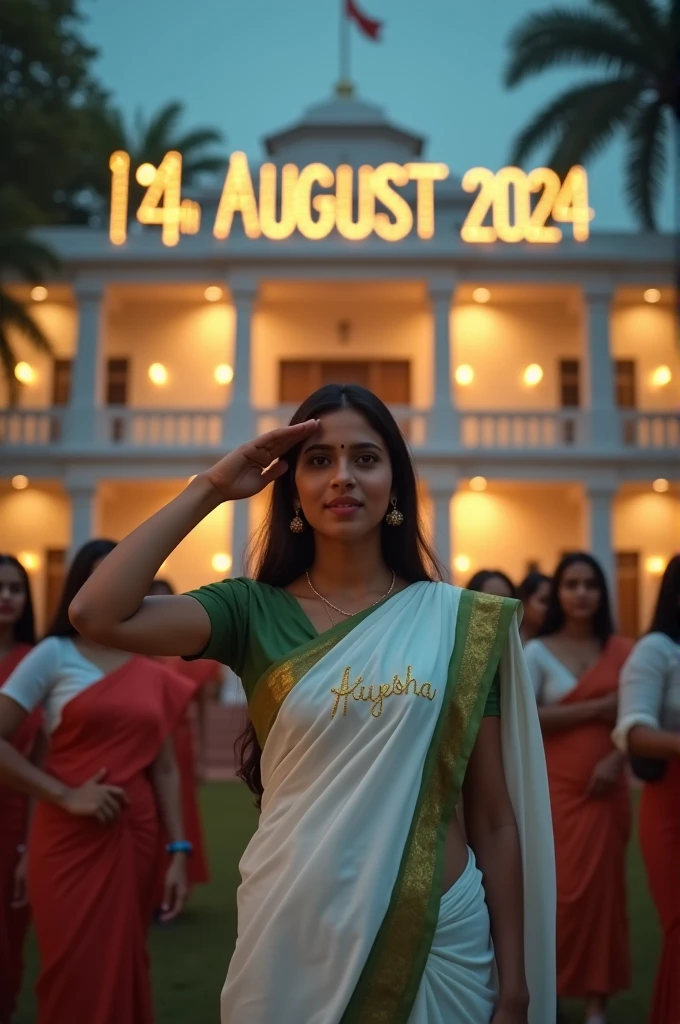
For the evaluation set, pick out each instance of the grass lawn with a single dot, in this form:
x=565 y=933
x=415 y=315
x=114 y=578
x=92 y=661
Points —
x=189 y=958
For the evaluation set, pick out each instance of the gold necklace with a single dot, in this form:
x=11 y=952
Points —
x=335 y=607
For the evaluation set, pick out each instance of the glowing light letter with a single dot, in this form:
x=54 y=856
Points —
x=166 y=186
x=237 y=196
x=323 y=204
x=189 y=217
x=354 y=230
x=391 y=231
x=571 y=204
x=119 y=165
x=473 y=229
x=425 y=175
x=537 y=230
x=285 y=226
x=511 y=178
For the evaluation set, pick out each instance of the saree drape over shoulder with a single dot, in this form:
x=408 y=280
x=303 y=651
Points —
x=366 y=732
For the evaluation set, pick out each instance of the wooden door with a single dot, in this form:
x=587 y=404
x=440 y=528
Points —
x=628 y=592
x=389 y=379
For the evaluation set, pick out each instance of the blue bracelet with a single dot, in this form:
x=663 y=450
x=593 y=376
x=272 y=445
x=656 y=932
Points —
x=180 y=846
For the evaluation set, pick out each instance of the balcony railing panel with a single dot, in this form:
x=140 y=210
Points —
x=560 y=428
x=652 y=430
x=30 y=428
x=413 y=423
x=161 y=428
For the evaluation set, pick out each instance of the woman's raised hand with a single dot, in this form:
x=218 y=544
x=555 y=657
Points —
x=248 y=469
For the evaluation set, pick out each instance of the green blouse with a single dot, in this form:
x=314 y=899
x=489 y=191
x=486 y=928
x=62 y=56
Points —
x=254 y=625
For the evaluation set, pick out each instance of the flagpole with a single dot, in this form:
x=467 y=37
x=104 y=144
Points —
x=344 y=86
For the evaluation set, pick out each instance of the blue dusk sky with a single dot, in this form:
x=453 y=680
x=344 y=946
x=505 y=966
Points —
x=251 y=67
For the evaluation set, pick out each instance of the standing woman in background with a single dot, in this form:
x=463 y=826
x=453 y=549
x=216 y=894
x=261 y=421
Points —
x=533 y=592
x=575 y=667
x=492 y=581
x=191 y=760
x=649 y=729
x=17 y=636
x=94 y=839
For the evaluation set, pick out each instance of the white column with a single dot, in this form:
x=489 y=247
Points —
x=444 y=420
x=600 y=499
x=441 y=510
x=87 y=377
x=83 y=515
x=239 y=418
x=599 y=367
x=240 y=535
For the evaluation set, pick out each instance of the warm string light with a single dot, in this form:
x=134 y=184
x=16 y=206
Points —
x=462 y=563
x=354 y=230
x=238 y=196
x=566 y=202
x=119 y=165
x=533 y=375
x=24 y=373
x=158 y=374
x=655 y=565
x=465 y=375
x=282 y=227
x=662 y=376
x=221 y=562
x=166 y=186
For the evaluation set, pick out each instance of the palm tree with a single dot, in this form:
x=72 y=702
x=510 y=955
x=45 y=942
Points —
x=29 y=260
x=147 y=141
x=635 y=42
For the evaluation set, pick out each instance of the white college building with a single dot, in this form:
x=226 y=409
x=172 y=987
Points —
x=538 y=381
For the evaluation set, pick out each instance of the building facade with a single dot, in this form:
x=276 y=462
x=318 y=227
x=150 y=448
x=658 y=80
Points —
x=538 y=384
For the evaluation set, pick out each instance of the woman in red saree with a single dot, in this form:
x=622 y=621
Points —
x=109 y=776
x=649 y=728
x=17 y=636
x=191 y=761
x=575 y=667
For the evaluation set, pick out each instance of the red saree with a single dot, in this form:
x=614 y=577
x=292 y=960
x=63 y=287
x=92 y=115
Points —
x=90 y=885
x=660 y=842
x=591 y=836
x=13 y=819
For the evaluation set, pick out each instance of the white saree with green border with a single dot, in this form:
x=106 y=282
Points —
x=366 y=732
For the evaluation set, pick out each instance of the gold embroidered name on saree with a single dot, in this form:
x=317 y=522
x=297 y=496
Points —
x=376 y=694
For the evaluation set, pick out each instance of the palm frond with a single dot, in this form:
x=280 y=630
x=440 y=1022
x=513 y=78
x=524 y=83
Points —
x=641 y=17
x=580 y=121
x=646 y=160
x=14 y=315
x=207 y=165
x=561 y=37
x=161 y=128
x=198 y=139
x=8 y=361
x=28 y=258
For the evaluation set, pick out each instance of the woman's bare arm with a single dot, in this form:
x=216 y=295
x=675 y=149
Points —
x=559 y=717
x=643 y=741
x=112 y=608
x=492 y=833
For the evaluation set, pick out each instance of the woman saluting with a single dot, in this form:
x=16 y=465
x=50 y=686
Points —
x=376 y=702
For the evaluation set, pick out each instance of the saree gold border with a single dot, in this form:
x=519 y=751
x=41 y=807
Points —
x=383 y=991
x=275 y=685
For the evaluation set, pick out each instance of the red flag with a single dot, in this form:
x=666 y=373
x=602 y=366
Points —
x=369 y=26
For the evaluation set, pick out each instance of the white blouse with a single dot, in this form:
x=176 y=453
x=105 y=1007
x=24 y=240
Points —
x=51 y=675
x=552 y=680
x=650 y=688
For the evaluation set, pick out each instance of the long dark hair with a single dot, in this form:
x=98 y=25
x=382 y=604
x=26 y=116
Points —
x=484 y=575
x=603 y=623
x=279 y=556
x=23 y=630
x=666 y=617
x=79 y=572
x=530 y=584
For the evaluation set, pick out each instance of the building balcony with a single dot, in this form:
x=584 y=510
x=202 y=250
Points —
x=126 y=431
